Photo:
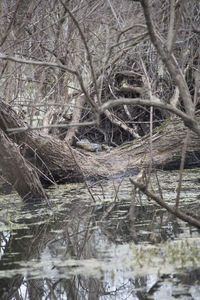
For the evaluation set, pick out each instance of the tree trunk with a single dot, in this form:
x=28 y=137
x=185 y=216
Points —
x=18 y=171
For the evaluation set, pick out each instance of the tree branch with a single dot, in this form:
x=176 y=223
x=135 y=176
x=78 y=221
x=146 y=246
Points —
x=54 y=65
x=86 y=48
x=10 y=24
x=171 y=209
x=169 y=61
x=188 y=121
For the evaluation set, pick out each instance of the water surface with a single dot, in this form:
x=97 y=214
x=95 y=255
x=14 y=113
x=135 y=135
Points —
x=82 y=247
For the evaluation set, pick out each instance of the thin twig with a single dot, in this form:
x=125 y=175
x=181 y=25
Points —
x=89 y=57
x=148 y=84
x=182 y=167
x=81 y=171
x=64 y=125
x=10 y=24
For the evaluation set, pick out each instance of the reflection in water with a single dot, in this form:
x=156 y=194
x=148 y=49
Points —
x=84 y=250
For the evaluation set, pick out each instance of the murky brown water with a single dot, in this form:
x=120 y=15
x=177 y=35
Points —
x=82 y=247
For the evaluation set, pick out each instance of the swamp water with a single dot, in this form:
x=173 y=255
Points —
x=82 y=247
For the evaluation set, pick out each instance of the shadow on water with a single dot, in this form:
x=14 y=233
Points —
x=84 y=250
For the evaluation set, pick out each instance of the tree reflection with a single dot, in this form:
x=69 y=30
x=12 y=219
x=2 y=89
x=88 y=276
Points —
x=33 y=263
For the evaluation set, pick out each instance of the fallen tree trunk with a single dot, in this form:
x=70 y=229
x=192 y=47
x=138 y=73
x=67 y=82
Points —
x=55 y=159
x=18 y=172
x=58 y=161
x=167 y=142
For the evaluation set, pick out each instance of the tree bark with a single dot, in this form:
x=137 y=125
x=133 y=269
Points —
x=18 y=171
